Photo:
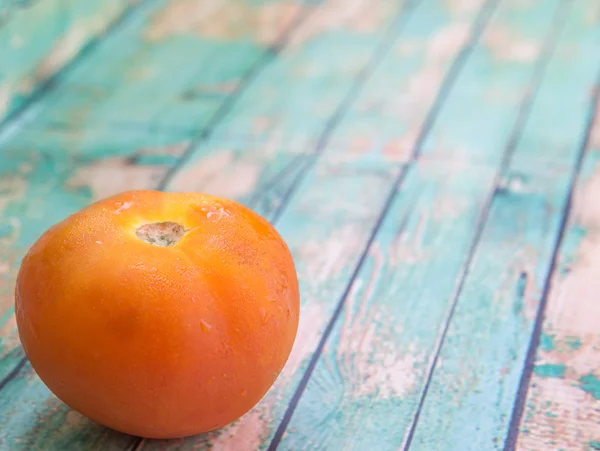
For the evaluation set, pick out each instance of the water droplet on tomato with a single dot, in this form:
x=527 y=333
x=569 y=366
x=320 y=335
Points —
x=206 y=327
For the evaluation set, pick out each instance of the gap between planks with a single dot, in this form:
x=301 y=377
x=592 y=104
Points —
x=519 y=406
x=14 y=118
x=480 y=24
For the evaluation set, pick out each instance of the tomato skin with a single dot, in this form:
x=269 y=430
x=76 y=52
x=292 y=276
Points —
x=159 y=341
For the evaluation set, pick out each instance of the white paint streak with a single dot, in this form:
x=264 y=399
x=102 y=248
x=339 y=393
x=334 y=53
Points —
x=367 y=354
x=109 y=177
x=4 y=99
x=327 y=257
x=224 y=20
x=219 y=174
x=248 y=433
x=559 y=414
x=573 y=305
x=64 y=50
x=363 y=16
x=507 y=45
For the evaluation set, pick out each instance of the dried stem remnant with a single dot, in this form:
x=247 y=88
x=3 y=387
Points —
x=161 y=233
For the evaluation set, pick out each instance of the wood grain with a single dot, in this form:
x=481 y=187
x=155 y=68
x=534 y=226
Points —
x=75 y=163
x=242 y=130
x=416 y=155
x=92 y=178
x=288 y=112
x=173 y=68
x=475 y=381
x=562 y=409
x=51 y=169
x=38 y=38
x=368 y=383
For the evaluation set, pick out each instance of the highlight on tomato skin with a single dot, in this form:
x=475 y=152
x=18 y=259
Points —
x=161 y=315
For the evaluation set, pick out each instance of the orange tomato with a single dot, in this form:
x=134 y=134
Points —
x=159 y=314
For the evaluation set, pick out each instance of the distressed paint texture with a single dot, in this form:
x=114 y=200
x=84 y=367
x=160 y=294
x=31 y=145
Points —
x=171 y=82
x=38 y=38
x=476 y=378
x=76 y=162
x=368 y=383
x=52 y=168
x=379 y=166
x=563 y=410
x=283 y=126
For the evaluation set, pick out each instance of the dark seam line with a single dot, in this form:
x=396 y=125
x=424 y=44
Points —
x=523 y=115
x=49 y=84
x=16 y=370
x=270 y=54
x=440 y=98
x=519 y=405
x=480 y=23
x=290 y=168
x=387 y=40
x=136 y=444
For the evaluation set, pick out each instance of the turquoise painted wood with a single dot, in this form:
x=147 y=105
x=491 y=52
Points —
x=65 y=168
x=74 y=162
x=564 y=393
x=384 y=343
x=416 y=155
x=38 y=38
x=475 y=381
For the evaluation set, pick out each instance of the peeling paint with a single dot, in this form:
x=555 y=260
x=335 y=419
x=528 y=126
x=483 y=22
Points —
x=109 y=177
x=590 y=383
x=550 y=370
x=44 y=37
x=577 y=292
x=219 y=174
x=547 y=342
x=223 y=21
x=504 y=44
x=4 y=99
x=371 y=362
x=63 y=51
x=571 y=321
x=249 y=431
x=360 y=16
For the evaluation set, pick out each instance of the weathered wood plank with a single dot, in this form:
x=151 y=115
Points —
x=367 y=384
x=174 y=67
x=38 y=38
x=50 y=170
x=258 y=426
x=267 y=118
x=327 y=238
x=95 y=168
x=475 y=381
x=562 y=408
x=79 y=162
x=256 y=429
x=33 y=419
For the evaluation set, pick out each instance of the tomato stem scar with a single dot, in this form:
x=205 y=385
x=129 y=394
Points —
x=161 y=233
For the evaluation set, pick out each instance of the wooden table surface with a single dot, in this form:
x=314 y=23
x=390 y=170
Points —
x=434 y=166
